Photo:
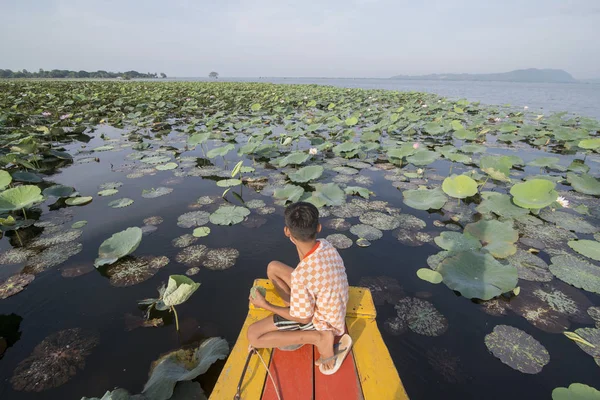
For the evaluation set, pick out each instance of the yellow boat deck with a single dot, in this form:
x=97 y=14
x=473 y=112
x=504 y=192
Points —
x=376 y=374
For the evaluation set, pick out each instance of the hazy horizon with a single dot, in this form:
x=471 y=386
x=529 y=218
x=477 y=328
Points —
x=262 y=38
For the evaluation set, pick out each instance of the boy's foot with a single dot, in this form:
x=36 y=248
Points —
x=325 y=347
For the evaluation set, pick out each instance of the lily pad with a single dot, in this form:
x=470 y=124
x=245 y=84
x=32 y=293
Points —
x=329 y=194
x=156 y=192
x=568 y=221
x=534 y=194
x=15 y=284
x=192 y=219
x=380 y=220
x=425 y=199
x=28 y=177
x=220 y=258
x=5 y=179
x=289 y=193
x=501 y=205
x=51 y=257
x=192 y=256
x=306 y=174
x=530 y=267
x=201 y=231
x=58 y=191
x=421 y=316
x=584 y=183
x=229 y=215
x=120 y=203
x=20 y=197
x=577 y=272
x=294 y=158
x=339 y=241
x=366 y=232
x=429 y=275
x=108 y=192
x=459 y=186
x=517 y=349
x=131 y=271
x=477 y=275
x=576 y=391
x=587 y=248
x=456 y=241
x=184 y=241
x=118 y=245
x=179 y=289
x=497 y=237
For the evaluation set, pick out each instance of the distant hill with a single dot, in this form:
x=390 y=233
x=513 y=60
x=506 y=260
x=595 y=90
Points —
x=519 y=75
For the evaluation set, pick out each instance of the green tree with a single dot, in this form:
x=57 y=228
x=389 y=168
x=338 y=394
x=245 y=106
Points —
x=214 y=75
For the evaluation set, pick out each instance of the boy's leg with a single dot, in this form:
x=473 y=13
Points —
x=264 y=334
x=281 y=277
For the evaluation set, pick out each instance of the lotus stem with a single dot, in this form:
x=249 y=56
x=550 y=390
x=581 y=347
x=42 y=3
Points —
x=484 y=182
x=176 y=318
x=451 y=166
x=24 y=213
x=19 y=237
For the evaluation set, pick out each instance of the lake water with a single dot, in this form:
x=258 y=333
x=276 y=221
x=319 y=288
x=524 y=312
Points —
x=455 y=365
x=542 y=98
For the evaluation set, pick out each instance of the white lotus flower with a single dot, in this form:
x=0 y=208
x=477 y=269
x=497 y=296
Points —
x=420 y=171
x=525 y=108
x=281 y=101
x=562 y=201
x=497 y=119
x=313 y=151
x=368 y=109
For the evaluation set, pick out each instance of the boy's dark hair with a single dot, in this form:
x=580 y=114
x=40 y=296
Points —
x=302 y=219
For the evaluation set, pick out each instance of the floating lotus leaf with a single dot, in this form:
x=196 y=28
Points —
x=294 y=158
x=55 y=238
x=265 y=210
x=410 y=222
x=517 y=349
x=399 y=153
x=253 y=204
x=366 y=232
x=80 y=201
x=329 y=194
x=544 y=162
x=576 y=391
x=219 y=151
x=498 y=237
x=182 y=366
x=130 y=271
x=421 y=317
x=500 y=204
x=348 y=210
x=15 y=255
x=592 y=336
x=111 y=185
x=198 y=138
x=192 y=219
x=221 y=258
x=201 y=232
x=357 y=190
x=148 y=229
x=184 y=241
x=154 y=220
x=456 y=241
x=577 y=272
x=19 y=197
x=383 y=289
x=498 y=167
x=179 y=289
x=153 y=160
x=103 y=148
x=339 y=241
x=15 y=284
x=167 y=166
x=459 y=186
x=118 y=245
x=338 y=224
x=423 y=157
x=229 y=215
x=29 y=177
x=380 y=220
x=54 y=361
x=429 y=275
x=345 y=170
x=425 y=199
x=229 y=183
x=108 y=192
x=584 y=183
x=568 y=221
x=535 y=194
x=477 y=275
x=58 y=191
x=594 y=313
x=192 y=256
x=530 y=267
x=156 y=192
x=412 y=238
x=289 y=193
x=587 y=248
x=5 y=179
x=51 y=257
x=120 y=203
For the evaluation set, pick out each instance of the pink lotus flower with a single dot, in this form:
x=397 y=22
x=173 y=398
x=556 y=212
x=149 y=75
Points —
x=187 y=99
x=65 y=116
x=46 y=114
x=416 y=145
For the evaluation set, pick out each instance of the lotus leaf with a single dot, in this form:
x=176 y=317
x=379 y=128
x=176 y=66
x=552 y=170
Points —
x=380 y=220
x=179 y=289
x=421 y=317
x=477 y=275
x=192 y=219
x=425 y=199
x=501 y=205
x=306 y=174
x=221 y=258
x=534 y=194
x=498 y=167
x=423 y=157
x=20 y=197
x=517 y=349
x=228 y=183
x=587 y=248
x=118 y=245
x=429 y=275
x=530 y=267
x=198 y=138
x=130 y=271
x=339 y=241
x=591 y=336
x=167 y=166
x=577 y=272
x=459 y=186
x=361 y=191
x=108 y=192
x=220 y=151
x=568 y=221
x=584 y=183
x=366 y=232
x=156 y=192
x=229 y=215
x=15 y=284
x=455 y=241
x=498 y=237
x=329 y=194
x=183 y=365
x=201 y=231
x=294 y=158
x=79 y=224
x=576 y=391
x=58 y=191
x=5 y=179
x=590 y=144
x=120 y=203
x=544 y=162
x=29 y=177
x=289 y=193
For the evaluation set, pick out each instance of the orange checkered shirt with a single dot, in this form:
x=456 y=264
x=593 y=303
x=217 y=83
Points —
x=320 y=289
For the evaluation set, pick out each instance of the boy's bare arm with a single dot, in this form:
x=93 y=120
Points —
x=284 y=312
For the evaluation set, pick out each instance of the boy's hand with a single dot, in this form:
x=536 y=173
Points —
x=258 y=300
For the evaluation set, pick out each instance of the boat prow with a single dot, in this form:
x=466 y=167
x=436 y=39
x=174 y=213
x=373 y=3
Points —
x=368 y=373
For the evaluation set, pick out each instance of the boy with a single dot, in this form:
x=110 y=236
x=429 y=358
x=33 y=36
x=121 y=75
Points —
x=315 y=292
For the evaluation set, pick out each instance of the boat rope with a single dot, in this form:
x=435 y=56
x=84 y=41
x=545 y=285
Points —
x=252 y=350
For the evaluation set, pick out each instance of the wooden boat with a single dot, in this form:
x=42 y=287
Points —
x=368 y=373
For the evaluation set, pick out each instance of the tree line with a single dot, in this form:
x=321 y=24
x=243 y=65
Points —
x=64 y=73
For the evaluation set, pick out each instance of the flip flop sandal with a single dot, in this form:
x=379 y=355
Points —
x=341 y=350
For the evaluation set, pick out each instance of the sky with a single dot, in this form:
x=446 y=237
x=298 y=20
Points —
x=309 y=38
